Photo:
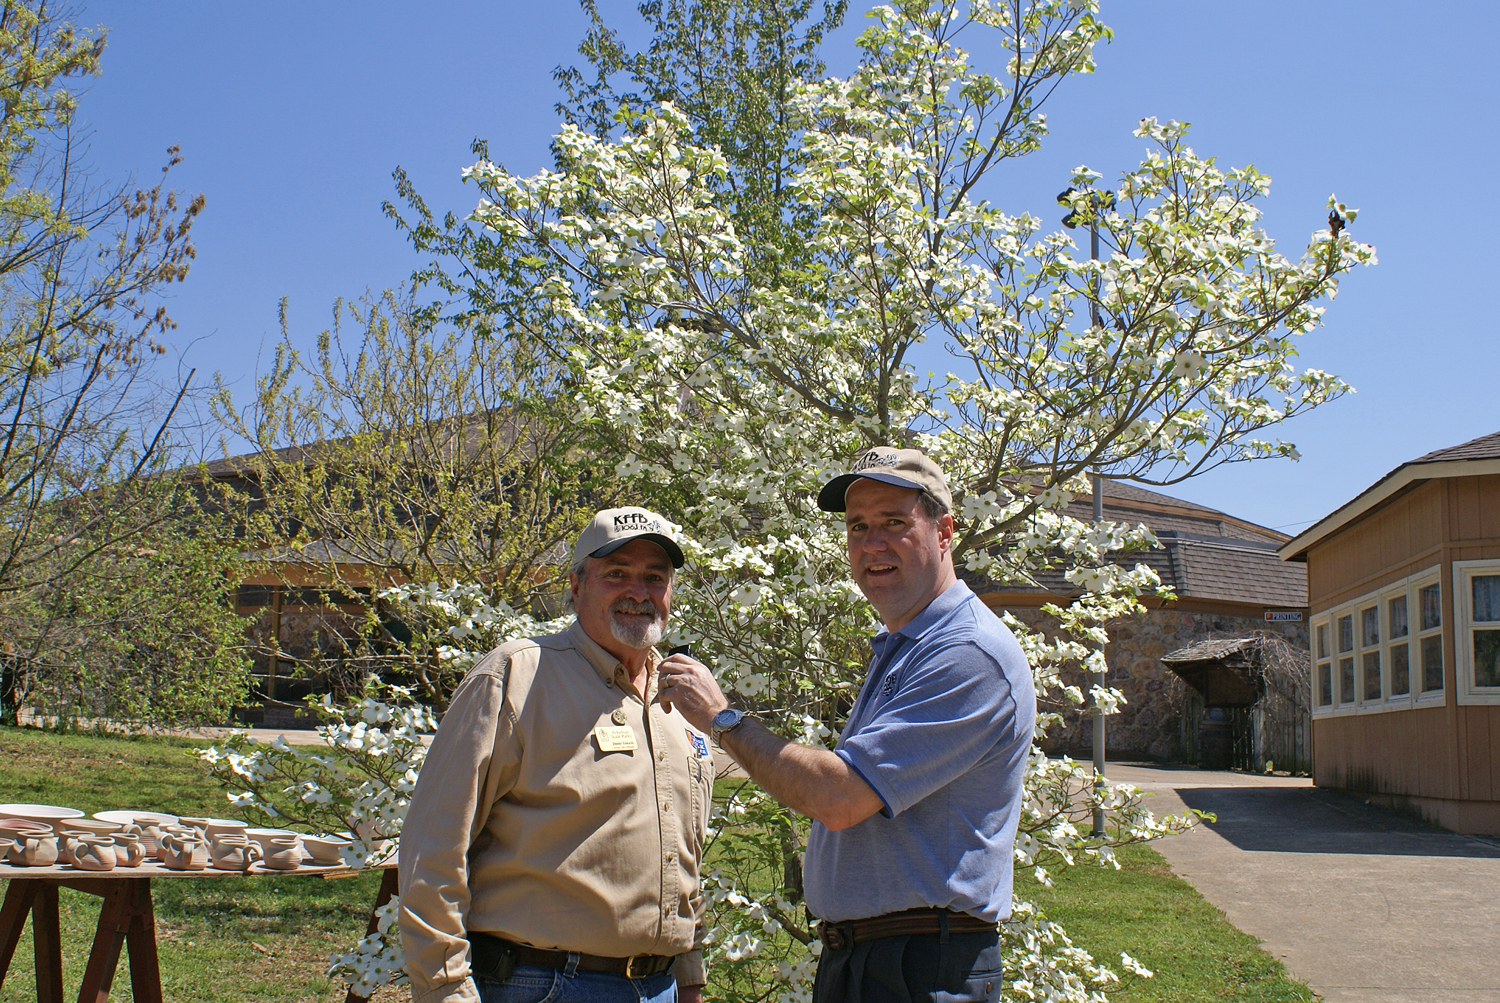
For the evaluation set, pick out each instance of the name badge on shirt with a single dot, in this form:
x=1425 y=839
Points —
x=615 y=738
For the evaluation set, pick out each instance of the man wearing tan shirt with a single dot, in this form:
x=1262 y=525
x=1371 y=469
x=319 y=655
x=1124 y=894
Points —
x=552 y=846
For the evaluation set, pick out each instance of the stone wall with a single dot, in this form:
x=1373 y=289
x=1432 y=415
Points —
x=1149 y=726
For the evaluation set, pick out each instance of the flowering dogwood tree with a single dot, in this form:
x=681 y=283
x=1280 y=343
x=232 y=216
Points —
x=726 y=360
x=728 y=374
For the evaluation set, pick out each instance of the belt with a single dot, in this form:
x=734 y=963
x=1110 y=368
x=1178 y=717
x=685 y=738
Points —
x=495 y=958
x=909 y=922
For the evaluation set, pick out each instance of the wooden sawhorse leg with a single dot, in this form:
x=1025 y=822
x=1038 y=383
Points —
x=389 y=885
x=37 y=899
x=126 y=918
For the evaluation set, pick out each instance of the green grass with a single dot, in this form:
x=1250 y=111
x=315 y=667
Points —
x=224 y=940
x=1160 y=920
x=267 y=939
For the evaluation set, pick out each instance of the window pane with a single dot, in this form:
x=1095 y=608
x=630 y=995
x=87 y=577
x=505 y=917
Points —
x=1325 y=685
x=1323 y=651
x=1432 y=607
x=1372 y=675
x=1369 y=626
x=1486 y=598
x=1487 y=658
x=1400 y=671
x=1346 y=633
x=1432 y=663
x=1397 y=610
x=1346 y=680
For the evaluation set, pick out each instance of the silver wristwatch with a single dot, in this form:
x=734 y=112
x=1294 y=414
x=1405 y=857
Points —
x=726 y=720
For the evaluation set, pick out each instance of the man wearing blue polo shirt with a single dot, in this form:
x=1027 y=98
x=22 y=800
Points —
x=914 y=813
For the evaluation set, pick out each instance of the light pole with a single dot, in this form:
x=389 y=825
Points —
x=1098 y=202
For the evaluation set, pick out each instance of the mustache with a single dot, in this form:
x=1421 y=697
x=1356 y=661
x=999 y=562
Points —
x=631 y=606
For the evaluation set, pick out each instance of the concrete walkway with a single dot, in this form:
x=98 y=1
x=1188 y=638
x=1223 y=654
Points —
x=1364 y=905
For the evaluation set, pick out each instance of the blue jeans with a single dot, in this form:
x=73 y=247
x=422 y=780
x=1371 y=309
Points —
x=964 y=968
x=530 y=984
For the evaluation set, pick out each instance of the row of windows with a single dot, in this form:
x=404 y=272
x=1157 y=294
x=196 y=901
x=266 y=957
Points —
x=1384 y=651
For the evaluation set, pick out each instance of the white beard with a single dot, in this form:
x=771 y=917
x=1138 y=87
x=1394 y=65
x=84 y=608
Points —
x=634 y=636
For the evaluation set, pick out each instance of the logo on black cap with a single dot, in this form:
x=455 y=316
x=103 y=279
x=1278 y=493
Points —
x=875 y=458
x=636 y=522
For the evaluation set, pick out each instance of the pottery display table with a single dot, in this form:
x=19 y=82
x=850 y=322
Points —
x=125 y=920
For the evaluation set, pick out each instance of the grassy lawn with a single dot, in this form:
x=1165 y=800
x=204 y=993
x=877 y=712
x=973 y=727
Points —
x=1160 y=920
x=271 y=936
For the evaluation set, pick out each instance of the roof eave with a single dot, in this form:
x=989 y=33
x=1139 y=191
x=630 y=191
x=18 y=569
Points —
x=1372 y=497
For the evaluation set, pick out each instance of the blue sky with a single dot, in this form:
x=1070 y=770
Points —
x=292 y=116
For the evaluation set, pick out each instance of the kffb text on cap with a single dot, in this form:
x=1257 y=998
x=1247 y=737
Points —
x=612 y=528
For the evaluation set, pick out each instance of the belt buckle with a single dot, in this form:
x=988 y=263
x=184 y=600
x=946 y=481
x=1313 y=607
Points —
x=831 y=936
x=630 y=966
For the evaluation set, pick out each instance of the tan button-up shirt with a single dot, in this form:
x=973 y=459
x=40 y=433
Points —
x=522 y=825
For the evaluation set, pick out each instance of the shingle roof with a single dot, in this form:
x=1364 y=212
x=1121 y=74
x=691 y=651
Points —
x=1211 y=650
x=1194 y=559
x=1235 y=571
x=1486 y=447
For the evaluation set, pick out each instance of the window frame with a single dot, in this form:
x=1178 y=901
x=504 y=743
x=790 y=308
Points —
x=1463 y=638
x=1408 y=588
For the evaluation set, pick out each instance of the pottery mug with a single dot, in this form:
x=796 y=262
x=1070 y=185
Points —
x=93 y=853
x=282 y=853
x=184 y=852
x=235 y=853
x=180 y=831
x=35 y=849
x=129 y=853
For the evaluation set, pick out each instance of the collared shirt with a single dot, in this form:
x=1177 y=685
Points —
x=523 y=824
x=941 y=731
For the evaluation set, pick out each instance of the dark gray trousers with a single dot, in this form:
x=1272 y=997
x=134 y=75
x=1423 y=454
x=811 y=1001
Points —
x=963 y=968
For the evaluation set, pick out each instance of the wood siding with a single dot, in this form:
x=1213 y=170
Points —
x=1449 y=752
x=1400 y=538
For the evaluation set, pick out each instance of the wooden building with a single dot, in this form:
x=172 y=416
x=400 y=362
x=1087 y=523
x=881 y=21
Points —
x=1404 y=594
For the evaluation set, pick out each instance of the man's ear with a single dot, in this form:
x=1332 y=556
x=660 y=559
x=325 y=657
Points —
x=945 y=533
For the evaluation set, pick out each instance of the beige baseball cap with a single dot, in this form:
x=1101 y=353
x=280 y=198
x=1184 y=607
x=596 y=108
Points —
x=612 y=528
x=905 y=468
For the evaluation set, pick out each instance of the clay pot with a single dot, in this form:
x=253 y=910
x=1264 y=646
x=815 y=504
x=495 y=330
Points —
x=184 y=852
x=94 y=853
x=282 y=853
x=324 y=850
x=130 y=853
x=34 y=849
x=184 y=831
x=235 y=853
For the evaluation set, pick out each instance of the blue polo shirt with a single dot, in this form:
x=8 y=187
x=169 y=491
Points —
x=941 y=731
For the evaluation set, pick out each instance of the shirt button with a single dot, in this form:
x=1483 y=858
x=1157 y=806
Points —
x=661 y=754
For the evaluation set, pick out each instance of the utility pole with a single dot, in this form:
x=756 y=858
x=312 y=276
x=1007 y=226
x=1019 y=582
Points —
x=1098 y=201
x=1099 y=678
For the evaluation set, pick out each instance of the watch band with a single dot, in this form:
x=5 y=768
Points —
x=727 y=719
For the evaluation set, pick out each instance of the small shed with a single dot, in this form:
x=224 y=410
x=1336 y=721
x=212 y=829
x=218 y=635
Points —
x=1225 y=671
x=1251 y=704
x=1404 y=593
